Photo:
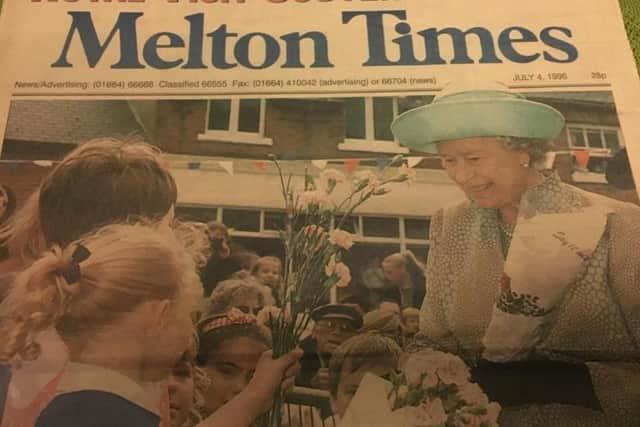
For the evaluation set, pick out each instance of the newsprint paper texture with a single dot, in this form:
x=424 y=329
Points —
x=518 y=124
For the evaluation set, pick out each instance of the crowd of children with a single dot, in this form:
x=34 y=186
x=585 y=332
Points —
x=99 y=293
x=112 y=312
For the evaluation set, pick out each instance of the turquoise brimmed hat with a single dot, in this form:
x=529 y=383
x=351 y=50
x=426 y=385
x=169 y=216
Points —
x=458 y=113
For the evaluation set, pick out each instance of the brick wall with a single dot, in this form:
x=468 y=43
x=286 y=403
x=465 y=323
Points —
x=308 y=128
x=22 y=178
x=69 y=121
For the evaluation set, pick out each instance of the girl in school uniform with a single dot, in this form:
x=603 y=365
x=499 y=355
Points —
x=121 y=299
x=102 y=181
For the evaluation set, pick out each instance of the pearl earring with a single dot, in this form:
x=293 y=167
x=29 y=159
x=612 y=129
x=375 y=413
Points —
x=524 y=164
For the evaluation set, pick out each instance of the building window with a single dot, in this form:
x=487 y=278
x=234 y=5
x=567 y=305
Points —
x=598 y=139
x=401 y=233
x=236 y=120
x=197 y=213
x=274 y=220
x=375 y=237
x=416 y=228
x=380 y=227
x=242 y=219
x=367 y=124
x=602 y=142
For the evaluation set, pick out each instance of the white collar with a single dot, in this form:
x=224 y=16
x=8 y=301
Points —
x=81 y=376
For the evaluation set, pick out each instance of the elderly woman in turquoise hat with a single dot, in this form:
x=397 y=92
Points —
x=534 y=281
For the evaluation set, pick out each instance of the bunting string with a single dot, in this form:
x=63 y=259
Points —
x=350 y=165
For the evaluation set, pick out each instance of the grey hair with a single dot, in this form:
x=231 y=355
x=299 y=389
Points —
x=535 y=148
x=364 y=348
x=225 y=291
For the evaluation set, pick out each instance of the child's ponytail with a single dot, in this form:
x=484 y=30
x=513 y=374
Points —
x=92 y=284
x=37 y=299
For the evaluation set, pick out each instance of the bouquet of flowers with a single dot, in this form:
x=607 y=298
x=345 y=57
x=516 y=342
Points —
x=314 y=243
x=434 y=389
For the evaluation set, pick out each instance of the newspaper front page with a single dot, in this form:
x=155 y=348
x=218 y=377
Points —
x=513 y=124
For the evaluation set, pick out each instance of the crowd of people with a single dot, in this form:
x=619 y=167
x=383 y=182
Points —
x=115 y=313
x=100 y=291
x=112 y=312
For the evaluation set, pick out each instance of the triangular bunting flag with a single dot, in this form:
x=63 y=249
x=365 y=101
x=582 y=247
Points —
x=351 y=165
x=413 y=161
x=227 y=166
x=43 y=163
x=582 y=157
x=320 y=164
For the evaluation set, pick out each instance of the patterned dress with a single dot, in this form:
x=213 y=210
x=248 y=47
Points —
x=596 y=323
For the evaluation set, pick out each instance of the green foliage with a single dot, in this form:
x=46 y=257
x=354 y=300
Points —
x=631 y=13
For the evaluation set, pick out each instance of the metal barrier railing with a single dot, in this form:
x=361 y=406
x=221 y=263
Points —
x=308 y=407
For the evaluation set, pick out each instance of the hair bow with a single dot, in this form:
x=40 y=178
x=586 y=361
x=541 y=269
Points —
x=71 y=273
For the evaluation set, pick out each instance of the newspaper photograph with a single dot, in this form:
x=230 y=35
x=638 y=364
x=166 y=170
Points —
x=318 y=213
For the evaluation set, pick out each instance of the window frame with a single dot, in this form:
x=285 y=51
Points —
x=369 y=143
x=593 y=151
x=233 y=135
x=401 y=239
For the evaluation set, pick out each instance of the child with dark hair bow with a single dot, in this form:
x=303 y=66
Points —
x=102 y=181
x=121 y=299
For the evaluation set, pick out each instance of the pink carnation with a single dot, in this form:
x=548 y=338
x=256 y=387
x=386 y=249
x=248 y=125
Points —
x=312 y=197
x=368 y=179
x=341 y=238
x=345 y=275
x=312 y=229
x=340 y=269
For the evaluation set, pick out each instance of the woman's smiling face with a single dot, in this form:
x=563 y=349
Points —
x=489 y=173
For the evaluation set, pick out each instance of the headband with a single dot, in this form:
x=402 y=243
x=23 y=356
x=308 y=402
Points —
x=231 y=317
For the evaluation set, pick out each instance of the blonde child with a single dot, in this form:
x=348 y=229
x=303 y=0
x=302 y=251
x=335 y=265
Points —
x=268 y=271
x=121 y=299
x=102 y=181
x=410 y=321
x=247 y=295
